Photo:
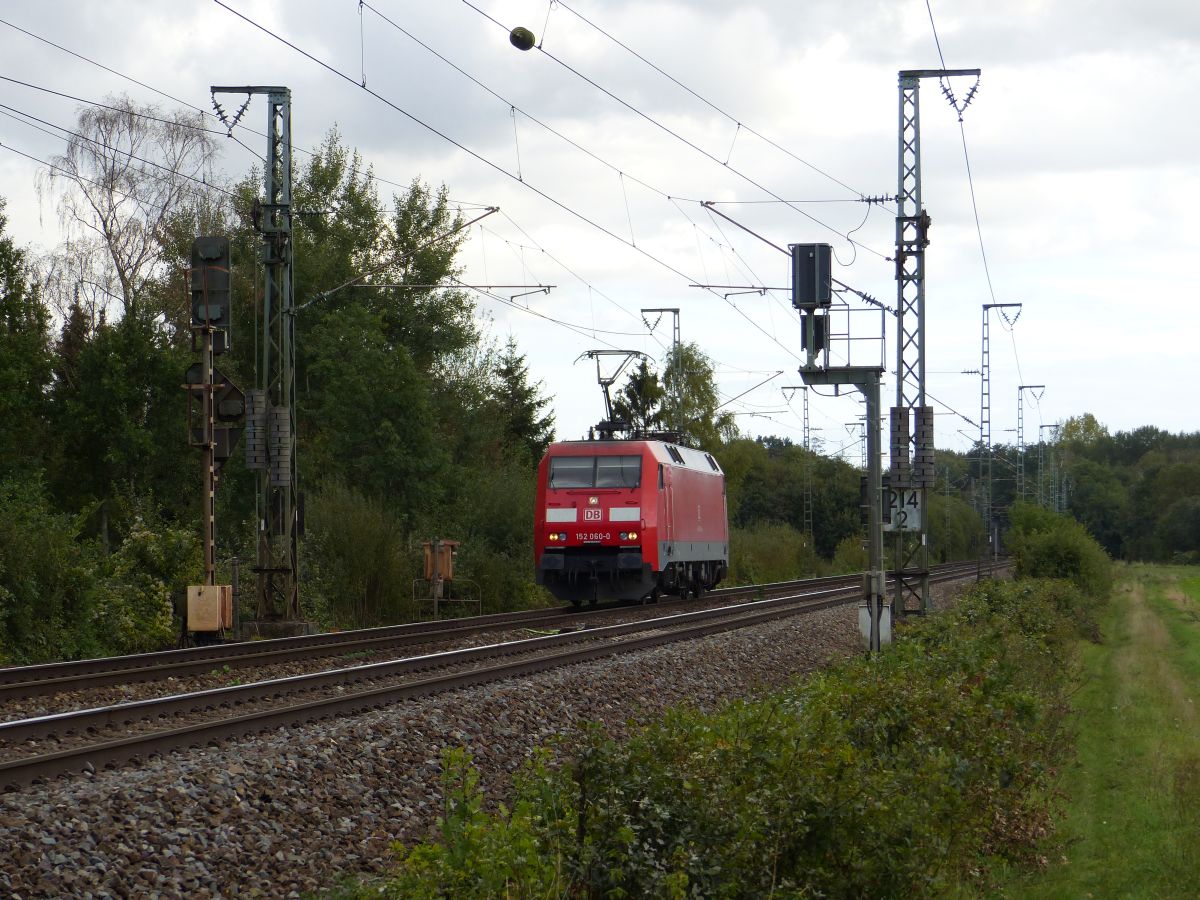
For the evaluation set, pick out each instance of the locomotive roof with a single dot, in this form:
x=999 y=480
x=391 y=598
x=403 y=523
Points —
x=667 y=454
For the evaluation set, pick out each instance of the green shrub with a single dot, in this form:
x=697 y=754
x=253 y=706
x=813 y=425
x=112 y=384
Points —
x=893 y=775
x=770 y=552
x=1045 y=544
x=45 y=580
x=358 y=564
x=132 y=608
x=518 y=852
x=62 y=598
x=850 y=555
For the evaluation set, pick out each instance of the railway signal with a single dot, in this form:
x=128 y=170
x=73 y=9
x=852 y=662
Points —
x=215 y=407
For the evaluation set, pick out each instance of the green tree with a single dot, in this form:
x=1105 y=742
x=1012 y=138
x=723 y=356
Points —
x=381 y=442
x=1085 y=436
x=25 y=362
x=520 y=407
x=640 y=400
x=691 y=405
x=1178 y=531
x=1099 y=500
x=120 y=426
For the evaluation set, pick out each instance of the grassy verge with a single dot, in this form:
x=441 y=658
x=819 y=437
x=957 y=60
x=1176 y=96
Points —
x=1131 y=826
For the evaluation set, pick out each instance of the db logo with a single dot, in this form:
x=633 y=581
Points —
x=592 y=515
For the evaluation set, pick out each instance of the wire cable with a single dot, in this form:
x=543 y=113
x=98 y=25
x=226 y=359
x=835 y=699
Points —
x=171 y=173
x=80 y=56
x=741 y=126
x=205 y=112
x=483 y=159
x=696 y=147
x=39 y=161
x=971 y=184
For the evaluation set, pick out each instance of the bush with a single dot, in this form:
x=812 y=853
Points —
x=1045 y=544
x=893 y=775
x=132 y=605
x=770 y=552
x=358 y=565
x=850 y=555
x=61 y=598
x=45 y=580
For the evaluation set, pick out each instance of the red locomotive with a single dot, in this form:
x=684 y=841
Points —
x=628 y=520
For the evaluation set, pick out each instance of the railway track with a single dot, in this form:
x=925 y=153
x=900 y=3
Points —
x=88 y=740
x=54 y=678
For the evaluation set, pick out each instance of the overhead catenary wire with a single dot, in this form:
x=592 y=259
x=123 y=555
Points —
x=218 y=132
x=514 y=110
x=171 y=173
x=208 y=114
x=513 y=107
x=534 y=245
x=205 y=129
x=213 y=131
x=741 y=126
x=66 y=172
x=112 y=71
x=482 y=159
x=971 y=187
x=583 y=330
x=679 y=137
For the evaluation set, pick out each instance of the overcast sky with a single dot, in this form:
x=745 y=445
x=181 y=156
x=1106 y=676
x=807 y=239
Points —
x=1083 y=142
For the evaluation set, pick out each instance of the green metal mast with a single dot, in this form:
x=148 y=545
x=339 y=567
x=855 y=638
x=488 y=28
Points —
x=271 y=409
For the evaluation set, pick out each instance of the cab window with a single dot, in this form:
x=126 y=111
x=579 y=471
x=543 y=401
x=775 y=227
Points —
x=572 y=472
x=618 y=471
x=595 y=472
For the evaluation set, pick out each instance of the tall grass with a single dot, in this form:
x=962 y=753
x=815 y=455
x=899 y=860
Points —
x=1131 y=824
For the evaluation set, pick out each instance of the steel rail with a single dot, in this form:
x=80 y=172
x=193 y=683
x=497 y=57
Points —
x=129 y=713
x=50 y=678
x=683 y=626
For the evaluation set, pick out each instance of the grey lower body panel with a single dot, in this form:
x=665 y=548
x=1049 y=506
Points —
x=595 y=574
x=693 y=551
x=583 y=574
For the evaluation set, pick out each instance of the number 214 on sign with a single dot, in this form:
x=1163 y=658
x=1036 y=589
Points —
x=904 y=504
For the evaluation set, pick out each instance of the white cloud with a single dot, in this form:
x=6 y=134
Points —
x=1082 y=142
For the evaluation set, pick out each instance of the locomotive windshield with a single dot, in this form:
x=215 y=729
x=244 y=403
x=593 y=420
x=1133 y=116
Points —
x=595 y=472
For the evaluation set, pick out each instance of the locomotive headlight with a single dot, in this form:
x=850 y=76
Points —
x=628 y=535
x=633 y=535
x=624 y=536
x=563 y=536
x=552 y=537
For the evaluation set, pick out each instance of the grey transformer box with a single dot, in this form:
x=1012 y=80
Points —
x=812 y=286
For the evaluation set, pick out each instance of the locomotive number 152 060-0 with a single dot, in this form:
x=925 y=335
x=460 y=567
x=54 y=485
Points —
x=593 y=535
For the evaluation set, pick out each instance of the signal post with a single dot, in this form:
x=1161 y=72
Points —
x=215 y=409
x=812 y=294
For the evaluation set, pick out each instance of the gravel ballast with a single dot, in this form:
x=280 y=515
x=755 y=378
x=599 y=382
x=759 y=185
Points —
x=291 y=810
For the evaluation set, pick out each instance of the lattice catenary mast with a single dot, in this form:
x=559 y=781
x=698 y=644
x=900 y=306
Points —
x=985 y=424
x=271 y=408
x=912 y=227
x=1021 y=389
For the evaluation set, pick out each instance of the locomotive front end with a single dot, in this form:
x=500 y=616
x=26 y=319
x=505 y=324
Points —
x=591 y=522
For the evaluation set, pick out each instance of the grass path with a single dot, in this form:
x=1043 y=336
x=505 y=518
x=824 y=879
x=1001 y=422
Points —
x=1132 y=821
